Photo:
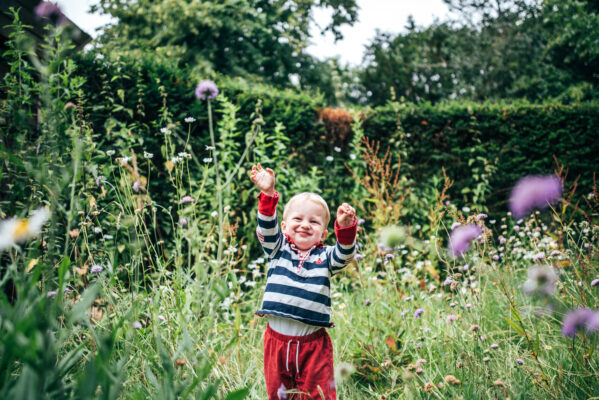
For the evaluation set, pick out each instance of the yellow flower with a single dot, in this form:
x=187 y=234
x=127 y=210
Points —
x=548 y=347
x=16 y=230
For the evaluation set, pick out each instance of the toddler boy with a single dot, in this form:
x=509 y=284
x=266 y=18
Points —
x=298 y=353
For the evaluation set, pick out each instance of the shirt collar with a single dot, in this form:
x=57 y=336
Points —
x=317 y=245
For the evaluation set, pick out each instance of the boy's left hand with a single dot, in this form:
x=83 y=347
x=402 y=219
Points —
x=345 y=215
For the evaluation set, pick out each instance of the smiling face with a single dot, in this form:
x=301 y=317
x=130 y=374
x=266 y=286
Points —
x=305 y=222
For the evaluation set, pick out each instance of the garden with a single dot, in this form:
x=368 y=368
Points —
x=130 y=267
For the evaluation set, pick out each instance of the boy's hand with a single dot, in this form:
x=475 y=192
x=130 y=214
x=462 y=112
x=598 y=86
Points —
x=345 y=215
x=264 y=179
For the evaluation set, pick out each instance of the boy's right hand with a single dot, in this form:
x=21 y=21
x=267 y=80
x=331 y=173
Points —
x=264 y=179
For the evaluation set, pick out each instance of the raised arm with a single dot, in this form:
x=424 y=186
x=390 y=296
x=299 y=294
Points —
x=345 y=231
x=268 y=231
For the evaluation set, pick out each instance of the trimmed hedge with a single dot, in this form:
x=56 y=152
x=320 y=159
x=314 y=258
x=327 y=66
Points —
x=510 y=140
x=517 y=138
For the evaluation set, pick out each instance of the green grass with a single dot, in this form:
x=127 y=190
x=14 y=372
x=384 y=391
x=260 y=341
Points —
x=382 y=339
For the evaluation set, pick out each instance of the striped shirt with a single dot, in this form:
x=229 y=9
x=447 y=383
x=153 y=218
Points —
x=298 y=287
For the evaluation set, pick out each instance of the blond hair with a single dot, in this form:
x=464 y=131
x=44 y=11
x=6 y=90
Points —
x=316 y=198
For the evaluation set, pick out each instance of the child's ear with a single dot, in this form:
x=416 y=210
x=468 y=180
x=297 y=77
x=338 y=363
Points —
x=283 y=226
x=324 y=235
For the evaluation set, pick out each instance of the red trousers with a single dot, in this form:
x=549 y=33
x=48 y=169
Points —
x=295 y=367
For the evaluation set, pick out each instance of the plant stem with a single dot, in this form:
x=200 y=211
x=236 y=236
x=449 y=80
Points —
x=219 y=195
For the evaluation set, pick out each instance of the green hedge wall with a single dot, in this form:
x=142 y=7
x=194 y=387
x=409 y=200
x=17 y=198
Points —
x=489 y=146
x=517 y=139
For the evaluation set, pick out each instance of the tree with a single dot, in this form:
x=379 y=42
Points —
x=263 y=38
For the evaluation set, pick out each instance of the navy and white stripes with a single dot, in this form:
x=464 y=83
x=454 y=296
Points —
x=300 y=289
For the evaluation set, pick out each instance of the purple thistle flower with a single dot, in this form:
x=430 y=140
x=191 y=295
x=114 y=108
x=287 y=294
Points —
x=96 y=269
x=451 y=318
x=593 y=323
x=520 y=361
x=418 y=312
x=575 y=320
x=206 y=90
x=555 y=253
x=534 y=192
x=361 y=221
x=136 y=186
x=459 y=241
x=186 y=199
x=595 y=283
x=137 y=325
x=52 y=293
x=182 y=221
x=358 y=257
x=448 y=281
x=282 y=392
x=481 y=216
x=494 y=346
x=367 y=302
x=100 y=180
x=47 y=9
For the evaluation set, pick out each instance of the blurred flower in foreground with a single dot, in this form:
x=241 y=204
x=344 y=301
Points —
x=459 y=241
x=16 y=230
x=392 y=236
x=206 y=90
x=595 y=282
x=418 y=312
x=576 y=320
x=47 y=9
x=534 y=192
x=541 y=280
x=343 y=371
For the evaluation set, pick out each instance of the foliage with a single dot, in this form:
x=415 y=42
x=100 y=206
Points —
x=125 y=292
x=486 y=147
x=508 y=49
x=248 y=38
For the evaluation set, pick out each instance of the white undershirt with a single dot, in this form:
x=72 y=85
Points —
x=290 y=327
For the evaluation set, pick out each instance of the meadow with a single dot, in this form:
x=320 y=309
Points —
x=115 y=286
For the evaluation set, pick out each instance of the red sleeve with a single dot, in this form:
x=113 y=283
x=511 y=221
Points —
x=346 y=235
x=267 y=205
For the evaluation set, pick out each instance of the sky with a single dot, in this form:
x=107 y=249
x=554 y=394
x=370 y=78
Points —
x=384 y=15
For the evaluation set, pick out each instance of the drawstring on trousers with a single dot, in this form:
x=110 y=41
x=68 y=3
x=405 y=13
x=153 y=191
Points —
x=296 y=356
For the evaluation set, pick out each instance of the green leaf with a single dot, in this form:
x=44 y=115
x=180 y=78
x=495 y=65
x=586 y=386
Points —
x=516 y=327
x=516 y=315
x=238 y=394
x=79 y=310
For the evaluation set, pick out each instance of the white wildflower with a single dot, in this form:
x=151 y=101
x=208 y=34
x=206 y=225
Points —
x=15 y=230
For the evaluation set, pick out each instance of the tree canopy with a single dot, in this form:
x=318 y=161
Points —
x=505 y=49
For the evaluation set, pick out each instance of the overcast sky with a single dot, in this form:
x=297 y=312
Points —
x=384 y=15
